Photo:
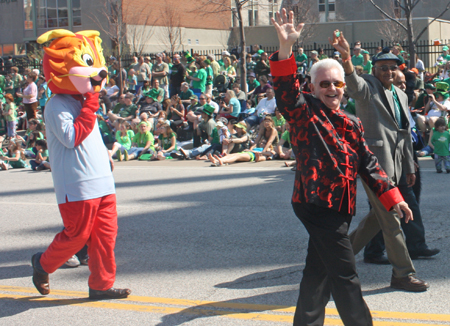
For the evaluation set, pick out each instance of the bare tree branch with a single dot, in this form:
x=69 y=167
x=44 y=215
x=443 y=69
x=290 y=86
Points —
x=388 y=16
x=426 y=27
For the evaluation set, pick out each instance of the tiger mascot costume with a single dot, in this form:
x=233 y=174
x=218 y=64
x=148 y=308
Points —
x=74 y=68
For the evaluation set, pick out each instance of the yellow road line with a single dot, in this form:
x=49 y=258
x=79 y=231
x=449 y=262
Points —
x=198 y=307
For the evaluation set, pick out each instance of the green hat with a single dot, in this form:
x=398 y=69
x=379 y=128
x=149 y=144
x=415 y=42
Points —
x=430 y=86
x=153 y=93
x=445 y=48
x=240 y=125
x=207 y=109
x=207 y=61
x=260 y=52
x=442 y=89
x=365 y=52
x=193 y=97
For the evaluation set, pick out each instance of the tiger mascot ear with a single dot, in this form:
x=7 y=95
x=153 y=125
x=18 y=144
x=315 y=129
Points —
x=73 y=62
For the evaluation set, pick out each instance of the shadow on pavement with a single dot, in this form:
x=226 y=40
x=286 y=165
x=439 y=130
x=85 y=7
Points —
x=8 y=272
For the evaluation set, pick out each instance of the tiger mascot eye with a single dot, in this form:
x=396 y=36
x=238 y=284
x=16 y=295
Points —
x=73 y=62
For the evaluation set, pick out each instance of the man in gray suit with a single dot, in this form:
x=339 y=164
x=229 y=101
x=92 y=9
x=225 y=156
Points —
x=382 y=109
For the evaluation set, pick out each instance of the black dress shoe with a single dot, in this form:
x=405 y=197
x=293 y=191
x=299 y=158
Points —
x=380 y=260
x=409 y=283
x=112 y=293
x=40 y=279
x=424 y=253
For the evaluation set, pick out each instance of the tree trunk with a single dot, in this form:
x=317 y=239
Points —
x=411 y=40
x=243 y=48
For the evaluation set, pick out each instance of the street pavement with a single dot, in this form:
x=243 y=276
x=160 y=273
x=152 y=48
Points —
x=202 y=245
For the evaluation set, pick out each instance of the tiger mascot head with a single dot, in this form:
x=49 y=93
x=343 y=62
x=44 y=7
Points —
x=73 y=62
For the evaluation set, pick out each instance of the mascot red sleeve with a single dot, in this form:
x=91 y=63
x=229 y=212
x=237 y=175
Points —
x=74 y=68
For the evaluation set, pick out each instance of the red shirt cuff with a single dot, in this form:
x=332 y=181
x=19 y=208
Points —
x=391 y=198
x=286 y=67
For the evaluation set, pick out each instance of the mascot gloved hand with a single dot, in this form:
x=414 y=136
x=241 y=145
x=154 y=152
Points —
x=74 y=68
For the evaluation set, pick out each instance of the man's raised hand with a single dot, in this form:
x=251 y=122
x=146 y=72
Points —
x=340 y=44
x=288 y=34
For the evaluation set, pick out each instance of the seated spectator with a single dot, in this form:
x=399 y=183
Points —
x=105 y=102
x=41 y=162
x=240 y=95
x=167 y=142
x=252 y=83
x=126 y=112
x=228 y=69
x=205 y=131
x=212 y=103
x=437 y=106
x=192 y=113
x=279 y=122
x=124 y=136
x=266 y=106
x=160 y=91
x=230 y=107
x=105 y=130
x=142 y=143
x=112 y=90
x=175 y=112
x=151 y=105
x=267 y=138
x=15 y=158
x=285 y=153
x=237 y=142
x=262 y=88
x=119 y=105
x=186 y=94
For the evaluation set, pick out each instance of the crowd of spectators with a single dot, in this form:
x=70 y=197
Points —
x=193 y=107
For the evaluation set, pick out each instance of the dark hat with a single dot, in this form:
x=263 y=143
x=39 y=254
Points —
x=385 y=55
x=207 y=109
x=193 y=97
x=251 y=74
x=430 y=86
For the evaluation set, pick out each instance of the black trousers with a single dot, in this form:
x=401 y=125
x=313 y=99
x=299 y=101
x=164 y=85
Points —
x=329 y=269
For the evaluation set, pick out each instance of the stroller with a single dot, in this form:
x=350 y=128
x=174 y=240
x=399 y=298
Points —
x=221 y=84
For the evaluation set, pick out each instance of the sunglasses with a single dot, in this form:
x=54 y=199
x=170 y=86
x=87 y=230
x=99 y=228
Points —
x=386 y=68
x=326 y=84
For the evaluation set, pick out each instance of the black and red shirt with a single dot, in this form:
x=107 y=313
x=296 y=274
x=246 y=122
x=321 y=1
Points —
x=331 y=147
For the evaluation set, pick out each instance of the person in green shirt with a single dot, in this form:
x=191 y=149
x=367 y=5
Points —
x=161 y=92
x=2 y=83
x=283 y=151
x=10 y=115
x=127 y=112
x=16 y=78
x=250 y=64
x=262 y=66
x=440 y=141
x=357 y=58
x=209 y=77
x=252 y=83
x=367 y=64
x=142 y=142
x=301 y=60
x=167 y=142
x=199 y=81
x=124 y=136
x=396 y=49
x=41 y=161
x=9 y=85
x=279 y=122
x=322 y=55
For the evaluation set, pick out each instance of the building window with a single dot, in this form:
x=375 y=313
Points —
x=253 y=13
x=8 y=49
x=54 y=13
x=397 y=9
x=76 y=12
x=331 y=5
x=273 y=9
x=234 y=22
x=28 y=14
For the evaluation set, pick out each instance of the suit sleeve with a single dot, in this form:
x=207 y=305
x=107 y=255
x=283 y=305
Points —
x=287 y=88
x=373 y=175
x=357 y=87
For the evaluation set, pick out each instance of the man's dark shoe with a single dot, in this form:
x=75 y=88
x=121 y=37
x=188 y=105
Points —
x=409 y=283
x=424 y=253
x=40 y=278
x=380 y=260
x=112 y=293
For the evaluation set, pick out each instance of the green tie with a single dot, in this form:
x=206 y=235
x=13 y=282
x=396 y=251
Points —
x=398 y=116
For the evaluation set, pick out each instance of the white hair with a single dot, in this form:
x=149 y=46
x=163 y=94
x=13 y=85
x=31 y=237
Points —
x=325 y=64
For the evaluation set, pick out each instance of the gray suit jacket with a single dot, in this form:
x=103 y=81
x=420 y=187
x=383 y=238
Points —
x=375 y=107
